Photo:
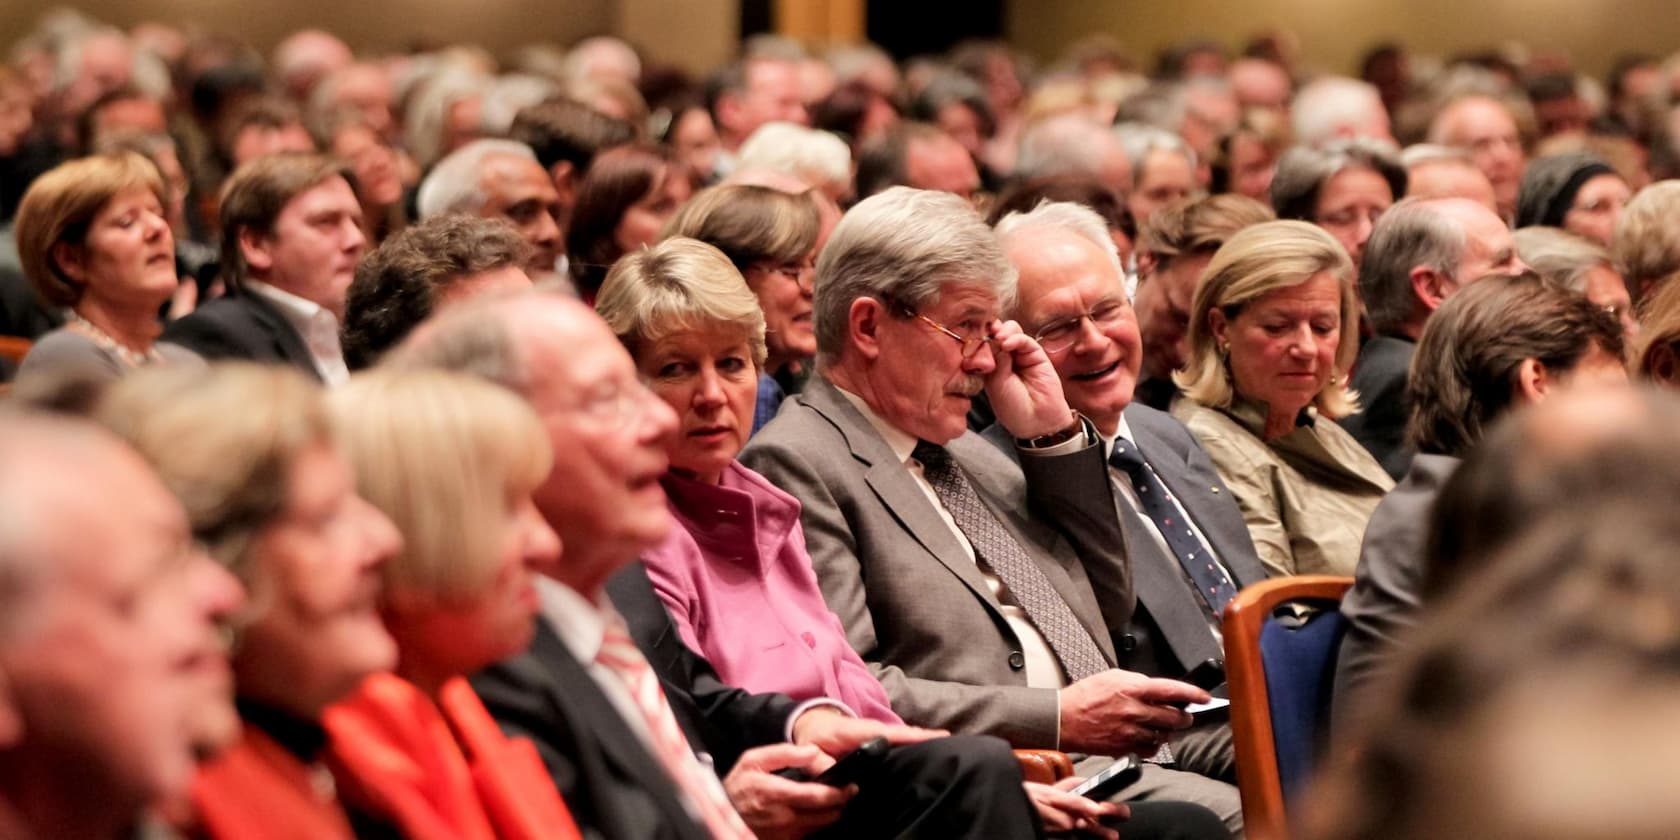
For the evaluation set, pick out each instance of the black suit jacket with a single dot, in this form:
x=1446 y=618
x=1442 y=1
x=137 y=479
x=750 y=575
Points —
x=614 y=786
x=1380 y=378
x=1167 y=633
x=242 y=326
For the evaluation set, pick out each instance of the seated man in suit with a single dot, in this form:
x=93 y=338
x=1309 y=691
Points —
x=1420 y=252
x=1071 y=297
x=620 y=711
x=976 y=615
x=291 y=237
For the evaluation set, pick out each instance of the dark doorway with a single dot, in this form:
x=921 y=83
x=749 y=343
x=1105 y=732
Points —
x=917 y=27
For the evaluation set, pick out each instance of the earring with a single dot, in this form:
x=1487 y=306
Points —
x=1224 y=349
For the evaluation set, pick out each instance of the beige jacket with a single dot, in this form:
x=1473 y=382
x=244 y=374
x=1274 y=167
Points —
x=1306 y=495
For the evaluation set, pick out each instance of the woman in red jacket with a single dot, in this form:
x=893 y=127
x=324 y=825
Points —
x=452 y=461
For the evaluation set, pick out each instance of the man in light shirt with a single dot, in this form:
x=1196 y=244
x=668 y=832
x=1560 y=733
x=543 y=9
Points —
x=291 y=237
x=975 y=614
x=1071 y=298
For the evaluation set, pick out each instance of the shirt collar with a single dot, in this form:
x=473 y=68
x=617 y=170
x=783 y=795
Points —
x=1251 y=415
x=1122 y=432
x=294 y=307
x=580 y=623
x=900 y=442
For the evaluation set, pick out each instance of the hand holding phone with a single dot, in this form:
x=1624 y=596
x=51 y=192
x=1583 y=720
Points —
x=849 y=770
x=1113 y=778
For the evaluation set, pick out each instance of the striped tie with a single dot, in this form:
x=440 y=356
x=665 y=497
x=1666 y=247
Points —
x=620 y=655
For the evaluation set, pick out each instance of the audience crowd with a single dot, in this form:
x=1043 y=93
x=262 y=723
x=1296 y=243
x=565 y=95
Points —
x=436 y=444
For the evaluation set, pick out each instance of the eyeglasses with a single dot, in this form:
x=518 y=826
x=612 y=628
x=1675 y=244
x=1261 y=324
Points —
x=802 y=273
x=616 y=407
x=1058 y=336
x=970 y=344
x=1348 y=217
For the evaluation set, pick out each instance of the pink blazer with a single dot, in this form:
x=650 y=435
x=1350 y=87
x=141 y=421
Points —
x=740 y=588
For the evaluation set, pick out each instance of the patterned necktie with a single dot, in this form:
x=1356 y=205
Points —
x=1078 y=653
x=1211 y=581
x=620 y=655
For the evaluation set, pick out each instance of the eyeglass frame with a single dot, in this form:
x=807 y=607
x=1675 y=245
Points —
x=970 y=347
x=1120 y=305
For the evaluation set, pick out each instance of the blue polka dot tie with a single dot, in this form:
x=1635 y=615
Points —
x=1211 y=581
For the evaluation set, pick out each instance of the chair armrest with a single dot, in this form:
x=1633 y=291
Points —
x=1044 y=766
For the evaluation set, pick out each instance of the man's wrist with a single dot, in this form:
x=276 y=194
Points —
x=810 y=711
x=1075 y=429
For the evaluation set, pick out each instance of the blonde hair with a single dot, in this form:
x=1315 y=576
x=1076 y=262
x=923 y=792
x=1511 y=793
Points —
x=1255 y=261
x=445 y=456
x=679 y=284
x=750 y=223
x=60 y=207
x=224 y=441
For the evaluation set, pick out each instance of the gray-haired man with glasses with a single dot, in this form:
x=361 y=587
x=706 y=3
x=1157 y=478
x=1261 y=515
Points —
x=1189 y=548
x=976 y=615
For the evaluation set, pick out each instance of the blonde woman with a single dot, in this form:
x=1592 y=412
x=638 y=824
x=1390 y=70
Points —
x=452 y=461
x=1273 y=332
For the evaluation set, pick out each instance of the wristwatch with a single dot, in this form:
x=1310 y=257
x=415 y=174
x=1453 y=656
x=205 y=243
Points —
x=1074 y=429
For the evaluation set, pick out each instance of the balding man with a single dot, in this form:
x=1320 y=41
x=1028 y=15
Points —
x=918 y=155
x=1421 y=251
x=115 y=676
x=1444 y=172
x=1484 y=127
x=1338 y=108
x=1074 y=144
x=500 y=179
x=1071 y=298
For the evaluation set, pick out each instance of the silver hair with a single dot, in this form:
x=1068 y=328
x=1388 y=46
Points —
x=455 y=184
x=1141 y=140
x=1411 y=234
x=1065 y=216
x=1324 y=106
x=508 y=95
x=1560 y=257
x=806 y=153
x=1303 y=170
x=476 y=338
x=582 y=59
x=904 y=245
x=1066 y=144
x=428 y=111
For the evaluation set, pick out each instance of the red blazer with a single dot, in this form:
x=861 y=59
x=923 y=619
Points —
x=441 y=770
x=257 y=790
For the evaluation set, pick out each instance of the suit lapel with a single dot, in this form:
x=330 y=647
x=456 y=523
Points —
x=619 y=746
x=892 y=483
x=287 y=343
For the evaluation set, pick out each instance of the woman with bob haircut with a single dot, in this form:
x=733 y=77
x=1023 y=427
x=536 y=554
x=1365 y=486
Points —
x=1497 y=345
x=624 y=199
x=735 y=575
x=93 y=236
x=1343 y=186
x=251 y=454
x=452 y=460
x=771 y=238
x=1273 y=329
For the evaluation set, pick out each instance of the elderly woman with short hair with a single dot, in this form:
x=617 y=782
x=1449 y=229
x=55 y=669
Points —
x=1581 y=266
x=1273 y=330
x=1647 y=242
x=1495 y=345
x=93 y=235
x=453 y=461
x=735 y=575
x=268 y=491
x=771 y=239
x=1342 y=186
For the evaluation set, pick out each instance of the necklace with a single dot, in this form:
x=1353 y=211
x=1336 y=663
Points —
x=104 y=341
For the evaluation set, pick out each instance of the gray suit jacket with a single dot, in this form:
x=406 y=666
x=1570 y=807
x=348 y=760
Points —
x=1386 y=585
x=913 y=604
x=1168 y=632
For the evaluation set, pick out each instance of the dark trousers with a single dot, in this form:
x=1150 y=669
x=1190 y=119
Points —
x=961 y=786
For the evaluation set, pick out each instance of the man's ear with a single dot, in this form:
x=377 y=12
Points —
x=564 y=176
x=863 y=326
x=728 y=113
x=1532 y=382
x=1147 y=262
x=1430 y=286
x=255 y=247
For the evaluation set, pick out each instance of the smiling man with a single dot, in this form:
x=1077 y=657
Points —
x=975 y=615
x=1071 y=298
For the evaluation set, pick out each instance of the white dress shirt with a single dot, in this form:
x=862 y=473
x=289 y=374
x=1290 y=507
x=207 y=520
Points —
x=315 y=324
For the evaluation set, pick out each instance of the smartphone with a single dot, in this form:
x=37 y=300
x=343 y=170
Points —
x=1111 y=780
x=851 y=769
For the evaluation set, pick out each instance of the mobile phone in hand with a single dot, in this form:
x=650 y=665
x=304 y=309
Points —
x=1111 y=780
x=851 y=769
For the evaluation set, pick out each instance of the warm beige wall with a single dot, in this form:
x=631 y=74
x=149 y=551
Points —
x=1334 y=33
x=365 y=24
x=696 y=35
